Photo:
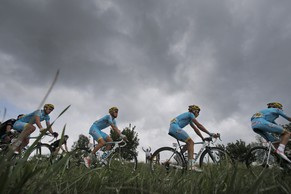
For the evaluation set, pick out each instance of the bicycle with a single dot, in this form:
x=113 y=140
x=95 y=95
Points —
x=40 y=152
x=118 y=157
x=264 y=157
x=170 y=160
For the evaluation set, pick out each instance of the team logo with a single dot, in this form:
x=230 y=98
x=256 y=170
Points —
x=255 y=123
x=258 y=115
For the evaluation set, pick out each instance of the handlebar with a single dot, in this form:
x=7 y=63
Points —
x=120 y=143
x=54 y=136
x=209 y=139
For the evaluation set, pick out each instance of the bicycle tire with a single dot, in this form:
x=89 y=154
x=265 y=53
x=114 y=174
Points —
x=41 y=153
x=215 y=156
x=256 y=160
x=166 y=162
x=123 y=159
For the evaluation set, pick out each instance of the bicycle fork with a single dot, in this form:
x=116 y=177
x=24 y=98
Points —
x=169 y=164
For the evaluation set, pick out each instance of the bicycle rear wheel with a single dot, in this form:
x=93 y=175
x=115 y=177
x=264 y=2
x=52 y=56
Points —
x=123 y=159
x=41 y=153
x=215 y=156
x=258 y=159
x=166 y=162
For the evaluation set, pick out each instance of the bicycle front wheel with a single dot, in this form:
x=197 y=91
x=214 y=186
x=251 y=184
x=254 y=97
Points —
x=258 y=159
x=123 y=159
x=41 y=153
x=166 y=162
x=215 y=156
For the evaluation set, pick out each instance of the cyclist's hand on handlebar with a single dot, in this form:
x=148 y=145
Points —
x=215 y=135
x=123 y=137
x=55 y=134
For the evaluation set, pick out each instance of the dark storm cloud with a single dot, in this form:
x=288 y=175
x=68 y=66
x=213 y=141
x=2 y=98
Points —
x=149 y=57
x=83 y=40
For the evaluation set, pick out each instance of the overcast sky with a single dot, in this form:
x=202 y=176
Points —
x=150 y=58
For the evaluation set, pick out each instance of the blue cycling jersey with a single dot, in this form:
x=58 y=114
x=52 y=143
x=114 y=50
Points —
x=104 y=122
x=270 y=114
x=30 y=118
x=183 y=119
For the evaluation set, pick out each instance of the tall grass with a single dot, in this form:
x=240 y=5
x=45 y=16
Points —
x=28 y=177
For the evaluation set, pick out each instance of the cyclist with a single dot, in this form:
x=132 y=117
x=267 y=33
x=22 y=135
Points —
x=263 y=123
x=56 y=145
x=176 y=130
x=101 y=137
x=25 y=125
x=5 y=129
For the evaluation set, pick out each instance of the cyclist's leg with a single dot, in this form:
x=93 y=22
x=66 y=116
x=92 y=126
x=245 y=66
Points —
x=108 y=139
x=264 y=129
x=182 y=135
x=97 y=135
x=268 y=127
x=25 y=129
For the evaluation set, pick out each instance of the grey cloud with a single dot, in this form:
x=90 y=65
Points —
x=229 y=57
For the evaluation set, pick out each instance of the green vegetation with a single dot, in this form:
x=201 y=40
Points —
x=132 y=138
x=29 y=177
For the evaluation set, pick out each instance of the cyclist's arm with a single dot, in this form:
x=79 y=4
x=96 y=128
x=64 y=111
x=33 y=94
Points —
x=196 y=130
x=117 y=131
x=48 y=125
x=282 y=113
x=200 y=126
x=66 y=148
x=62 y=148
x=37 y=122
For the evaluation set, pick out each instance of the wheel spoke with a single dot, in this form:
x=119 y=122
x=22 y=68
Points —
x=123 y=159
x=166 y=162
x=215 y=156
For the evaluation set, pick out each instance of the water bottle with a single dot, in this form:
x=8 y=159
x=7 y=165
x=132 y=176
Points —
x=105 y=154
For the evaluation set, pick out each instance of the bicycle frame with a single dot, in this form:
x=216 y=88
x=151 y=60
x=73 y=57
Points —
x=205 y=145
x=270 y=146
x=116 y=144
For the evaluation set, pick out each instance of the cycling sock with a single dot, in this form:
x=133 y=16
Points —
x=191 y=162
x=281 y=147
x=16 y=144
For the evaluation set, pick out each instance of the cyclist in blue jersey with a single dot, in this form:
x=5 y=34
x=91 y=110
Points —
x=263 y=123
x=25 y=126
x=101 y=137
x=176 y=130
